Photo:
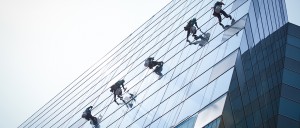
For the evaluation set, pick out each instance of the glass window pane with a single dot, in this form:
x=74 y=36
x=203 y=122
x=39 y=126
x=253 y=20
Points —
x=290 y=93
x=189 y=123
x=289 y=109
x=211 y=112
x=284 y=121
x=292 y=65
x=222 y=84
x=291 y=78
x=292 y=40
x=293 y=52
x=223 y=66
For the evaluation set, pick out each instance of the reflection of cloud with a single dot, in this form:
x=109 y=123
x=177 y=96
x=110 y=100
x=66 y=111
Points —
x=214 y=106
x=210 y=112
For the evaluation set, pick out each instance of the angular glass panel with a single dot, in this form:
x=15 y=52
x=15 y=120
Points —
x=189 y=123
x=223 y=66
x=293 y=30
x=292 y=40
x=290 y=92
x=289 y=109
x=284 y=121
x=291 y=78
x=222 y=84
x=244 y=42
x=214 y=124
x=210 y=112
x=292 y=65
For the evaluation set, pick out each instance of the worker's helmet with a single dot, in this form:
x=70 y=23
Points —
x=123 y=81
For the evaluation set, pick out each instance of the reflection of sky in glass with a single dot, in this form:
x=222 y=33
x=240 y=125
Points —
x=210 y=113
x=193 y=76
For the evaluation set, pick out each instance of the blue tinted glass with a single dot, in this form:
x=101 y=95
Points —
x=264 y=113
x=250 y=121
x=290 y=93
x=254 y=27
x=252 y=93
x=274 y=14
x=245 y=96
x=241 y=124
x=189 y=123
x=289 y=109
x=284 y=121
x=292 y=40
x=293 y=30
x=277 y=13
x=291 y=78
x=263 y=18
x=214 y=124
x=244 y=41
x=257 y=118
x=258 y=18
x=268 y=15
x=292 y=65
x=284 y=11
x=293 y=52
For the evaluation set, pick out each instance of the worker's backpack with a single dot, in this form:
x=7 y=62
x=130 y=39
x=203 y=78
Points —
x=218 y=8
x=147 y=62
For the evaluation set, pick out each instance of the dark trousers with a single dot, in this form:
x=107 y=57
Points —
x=90 y=117
x=218 y=15
x=158 y=70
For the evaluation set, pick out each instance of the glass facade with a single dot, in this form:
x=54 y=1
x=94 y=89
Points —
x=260 y=67
x=242 y=77
x=264 y=89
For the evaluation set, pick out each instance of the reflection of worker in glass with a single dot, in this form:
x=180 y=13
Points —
x=117 y=91
x=218 y=11
x=150 y=63
x=88 y=116
x=190 y=28
x=129 y=100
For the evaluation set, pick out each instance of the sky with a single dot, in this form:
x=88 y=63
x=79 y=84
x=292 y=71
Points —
x=293 y=14
x=46 y=44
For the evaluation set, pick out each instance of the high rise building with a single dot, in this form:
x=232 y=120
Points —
x=245 y=76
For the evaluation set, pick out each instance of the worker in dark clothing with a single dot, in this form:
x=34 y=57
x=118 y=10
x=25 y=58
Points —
x=190 y=28
x=150 y=63
x=117 y=91
x=88 y=116
x=158 y=70
x=218 y=11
